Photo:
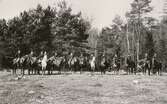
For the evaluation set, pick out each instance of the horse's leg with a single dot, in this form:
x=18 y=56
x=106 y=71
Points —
x=38 y=70
x=42 y=68
x=144 y=70
x=51 y=68
x=93 y=68
x=101 y=68
x=133 y=72
x=21 y=68
x=114 y=69
x=117 y=69
x=59 y=69
x=80 y=68
x=44 y=71
x=71 y=68
x=48 y=69
x=128 y=70
x=105 y=68
x=29 y=69
x=159 y=70
x=32 y=70
x=74 y=68
x=14 y=70
x=149 y=71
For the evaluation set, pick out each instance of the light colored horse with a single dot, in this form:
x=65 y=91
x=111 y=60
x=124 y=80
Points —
x=18 y=64
x=44 y=64
x=92 y=64
x=57 y=61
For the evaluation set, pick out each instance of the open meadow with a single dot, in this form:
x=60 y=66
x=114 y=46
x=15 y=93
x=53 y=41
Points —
x=83 y=89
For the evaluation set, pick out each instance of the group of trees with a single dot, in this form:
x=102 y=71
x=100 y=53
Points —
x=140 y=34
x=58 y=28
x=50 y=28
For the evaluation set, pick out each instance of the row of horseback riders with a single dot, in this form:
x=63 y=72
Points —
x=146 y=66
x=36 y=64
x=71 y=62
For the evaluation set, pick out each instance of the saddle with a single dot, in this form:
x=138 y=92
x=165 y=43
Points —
x=57 y=61
x=16 y=60
x=81 y=61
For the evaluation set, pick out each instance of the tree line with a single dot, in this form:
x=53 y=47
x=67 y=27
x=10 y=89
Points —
x=58 y=28
x=44 y=29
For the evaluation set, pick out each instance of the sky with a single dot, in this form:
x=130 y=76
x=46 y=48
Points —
x=102 y=12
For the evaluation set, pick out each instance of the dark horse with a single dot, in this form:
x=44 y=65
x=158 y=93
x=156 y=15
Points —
x=116 y=65
x=73 y=64
x=103 y=65
x=130 y=66
x=156 y=67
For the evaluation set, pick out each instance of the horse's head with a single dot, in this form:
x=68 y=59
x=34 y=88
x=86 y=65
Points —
x=15 y=60
x=22 y=59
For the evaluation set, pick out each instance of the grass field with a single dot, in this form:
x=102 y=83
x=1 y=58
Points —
x=83 y=89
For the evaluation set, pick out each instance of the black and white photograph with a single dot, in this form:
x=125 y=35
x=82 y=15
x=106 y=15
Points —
x=83 y=51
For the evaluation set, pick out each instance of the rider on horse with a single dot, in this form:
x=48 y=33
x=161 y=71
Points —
x=93 y=63
x=40 y=55
x=16 y=61
x=30 y=61
x=44 y=63
x=146 y=64
x=103 y=64
x=81 y=62
x=156 y=66
x=116 y=63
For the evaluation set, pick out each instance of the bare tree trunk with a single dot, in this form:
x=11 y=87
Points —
x=127 y=39
x=95 y=48
x=137 y=50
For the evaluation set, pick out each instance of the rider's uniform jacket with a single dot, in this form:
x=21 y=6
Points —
x=146 y=62
x=116 y=60
x=153 y=62
x=18 y=55
x=81 y=60
x=103 y=61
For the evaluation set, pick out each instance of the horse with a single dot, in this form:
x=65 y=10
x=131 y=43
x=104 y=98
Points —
x=81 y=63
x=23 y=64
x=156 y=67
x=92 y=64
x=147 y=67
x=31 y=63
x=64 y=64
x=44 y=63
x=57 y=63
x=103 y=65
x=50 y=65
x=71 y=63
x=16 y=64
x=74 y=64
x=116 y=66
x=19 y=63
x=130 y=66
